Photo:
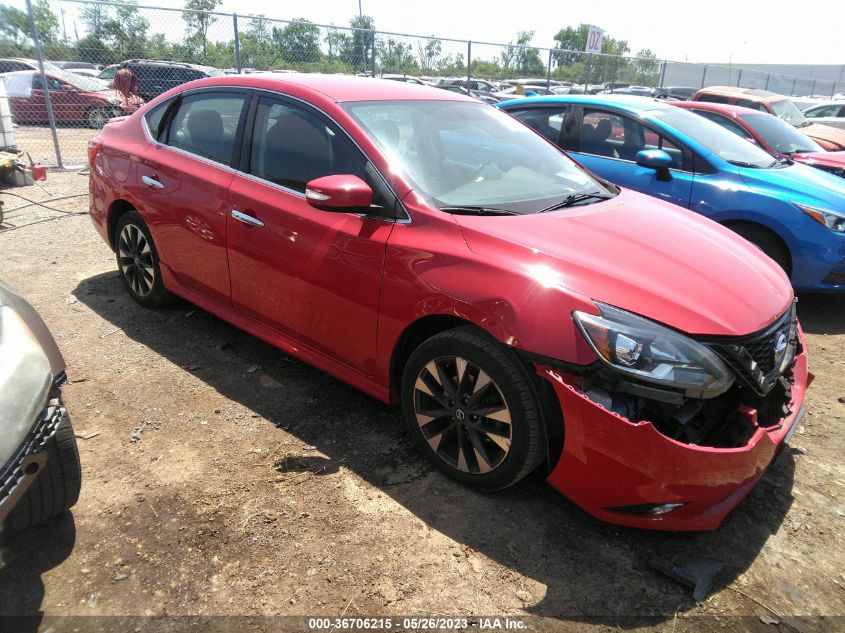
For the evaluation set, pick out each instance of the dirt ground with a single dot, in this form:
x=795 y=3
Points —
x=222 y=477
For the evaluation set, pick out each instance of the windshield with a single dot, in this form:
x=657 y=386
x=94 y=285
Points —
x=780 y=135
x=789 y=112
x=86 y=84
x=713 y=137
x=459 y=153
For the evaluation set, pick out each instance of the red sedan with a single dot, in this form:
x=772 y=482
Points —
x=774 y=135
x=76 y=100
x=429 y=249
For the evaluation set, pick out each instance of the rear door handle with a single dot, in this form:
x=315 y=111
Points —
x=151 y=182
x=246 y=219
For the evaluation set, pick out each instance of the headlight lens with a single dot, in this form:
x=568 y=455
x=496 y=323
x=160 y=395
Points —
x=654 y=353
x=830 y=219
x=24 y=381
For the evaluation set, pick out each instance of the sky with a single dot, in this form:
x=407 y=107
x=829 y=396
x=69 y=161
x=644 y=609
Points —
x=715 y=31
x=769 y=31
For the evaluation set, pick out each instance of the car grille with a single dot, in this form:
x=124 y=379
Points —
x=44 y=429
x=756 y=358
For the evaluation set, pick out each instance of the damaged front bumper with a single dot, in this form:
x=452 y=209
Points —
x=630 y=473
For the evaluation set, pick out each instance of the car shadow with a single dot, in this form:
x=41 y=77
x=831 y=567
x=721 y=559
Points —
x=822 y=313
x=24 y=558
x=590 y=569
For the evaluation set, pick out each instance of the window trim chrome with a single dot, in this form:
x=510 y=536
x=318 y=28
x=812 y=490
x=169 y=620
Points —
x=247 y=89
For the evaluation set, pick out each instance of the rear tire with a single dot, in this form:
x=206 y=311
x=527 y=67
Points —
x=138 y=262
x=767 y=242
x=470 y=408
x=56 y=488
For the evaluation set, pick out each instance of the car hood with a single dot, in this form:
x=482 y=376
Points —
x=645 y=256
x=831 y=159
x=798 y=183
x=826 y=132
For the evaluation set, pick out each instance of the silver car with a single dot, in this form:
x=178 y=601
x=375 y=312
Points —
x=40 y=476
x=828 y=113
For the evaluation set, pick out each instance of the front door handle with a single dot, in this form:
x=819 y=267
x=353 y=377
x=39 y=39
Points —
x=151 y=182
x=246 y=219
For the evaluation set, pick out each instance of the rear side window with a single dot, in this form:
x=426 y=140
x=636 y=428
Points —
x=713 y=98
x=205 y=124
x=754 y=105
x=154 y=117
x=546 y=121
x=292 y=146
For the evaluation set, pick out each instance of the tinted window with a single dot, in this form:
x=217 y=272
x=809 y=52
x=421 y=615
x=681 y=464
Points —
x=154 y=116
x=713 y=99
x=616 y=136
x=292 y=146
x=205 y=125
x=725 y=122
x=9 y=66
x=824 y=111
x=754 y=105
x=546 y=121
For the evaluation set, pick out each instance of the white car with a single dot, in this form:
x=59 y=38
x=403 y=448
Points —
x=828 y=113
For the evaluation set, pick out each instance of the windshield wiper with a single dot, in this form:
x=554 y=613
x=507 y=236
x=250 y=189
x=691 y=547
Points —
x=779 y=162
x=575 y=198
x=479 y=210
x=741 y=163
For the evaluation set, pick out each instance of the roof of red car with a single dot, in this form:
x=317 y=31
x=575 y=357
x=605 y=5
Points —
x=340 y=87
x=724 y=108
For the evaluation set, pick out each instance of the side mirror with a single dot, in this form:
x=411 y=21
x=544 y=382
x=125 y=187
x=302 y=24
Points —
x=656 y=159
x=343 y=193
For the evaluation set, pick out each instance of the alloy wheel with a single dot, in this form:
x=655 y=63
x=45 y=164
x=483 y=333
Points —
x=462 y=415
x=136 y=260
x=98 y=117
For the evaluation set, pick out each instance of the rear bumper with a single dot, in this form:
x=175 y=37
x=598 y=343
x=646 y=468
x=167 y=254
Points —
x=29 y=460
x=610 y=462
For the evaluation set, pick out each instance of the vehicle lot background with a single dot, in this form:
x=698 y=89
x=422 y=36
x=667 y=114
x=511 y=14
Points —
x=222 y=477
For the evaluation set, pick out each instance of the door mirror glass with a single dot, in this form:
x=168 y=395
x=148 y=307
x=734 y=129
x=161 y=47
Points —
x=655 y=159
x=343 y=193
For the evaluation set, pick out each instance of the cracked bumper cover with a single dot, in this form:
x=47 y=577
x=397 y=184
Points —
x=610 y=462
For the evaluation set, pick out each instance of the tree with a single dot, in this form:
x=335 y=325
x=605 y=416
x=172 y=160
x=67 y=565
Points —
x=14 y=31
x=571 y=43
x=356 y=50
x=429 y=53
x=298 y=42
x=520 y=57
x=198 y=20
x=396 y=57
x=126 y=33
x=646 y=67
x=94 y=16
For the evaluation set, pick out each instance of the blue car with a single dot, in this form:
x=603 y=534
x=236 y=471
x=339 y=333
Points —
x=794 y=213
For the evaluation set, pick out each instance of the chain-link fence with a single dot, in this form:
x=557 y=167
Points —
x=87 y=47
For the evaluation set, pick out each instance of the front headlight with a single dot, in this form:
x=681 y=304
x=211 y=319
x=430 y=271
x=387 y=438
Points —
x=651 y=352
x=831 y=219
x=24 y=381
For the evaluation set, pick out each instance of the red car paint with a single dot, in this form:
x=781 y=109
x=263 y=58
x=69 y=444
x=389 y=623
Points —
x=339 y=290
x=70 y=103
x=829 y=161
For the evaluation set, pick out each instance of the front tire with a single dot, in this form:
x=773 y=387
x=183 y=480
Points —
x=56 y=489
x=138 y=261
x=470 y=408
x=97 y=117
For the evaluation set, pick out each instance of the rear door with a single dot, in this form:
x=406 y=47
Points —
x=608 y=142
x=184 y=179
x=313 y=275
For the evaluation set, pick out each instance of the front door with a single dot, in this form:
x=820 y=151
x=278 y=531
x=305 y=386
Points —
x=607 y=143
x=184 y=183
x=312 y=275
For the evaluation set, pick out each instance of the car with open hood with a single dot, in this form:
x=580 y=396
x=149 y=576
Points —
x=793 y=213
x=432 y=251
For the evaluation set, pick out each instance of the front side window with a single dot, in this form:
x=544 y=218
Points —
x=616 y=136
x=292 y=146
x=824 y=111
x=463 y=154
x=205 y=124
x=725 y=122
x=713 y=99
